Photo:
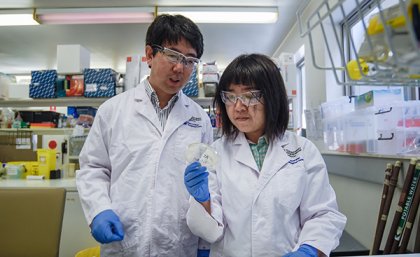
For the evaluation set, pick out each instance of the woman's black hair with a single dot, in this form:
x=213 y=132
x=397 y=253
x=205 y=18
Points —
x=169 y=29
x=258 y=72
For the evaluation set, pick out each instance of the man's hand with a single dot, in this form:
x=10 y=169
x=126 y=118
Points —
x=106 y=227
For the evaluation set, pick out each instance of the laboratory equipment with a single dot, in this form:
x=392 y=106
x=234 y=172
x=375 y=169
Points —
x=202 y=153
x=389 y=52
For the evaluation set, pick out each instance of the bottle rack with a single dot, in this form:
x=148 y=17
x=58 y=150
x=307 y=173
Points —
x=390 y=52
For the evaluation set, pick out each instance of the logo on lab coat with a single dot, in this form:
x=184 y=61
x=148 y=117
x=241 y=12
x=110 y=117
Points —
x=293 y=154
x=194 y=122
x=295 y=160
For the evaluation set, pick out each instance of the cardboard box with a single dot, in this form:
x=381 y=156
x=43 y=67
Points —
x=72 y=59
x=144 y=68
x=40 y=116
x=43 y=84
x=100 y=89
x=191 y=87
x=17 y=91
x=100 y=82
x=132 y=72
x=99 y=75
x=74 y=85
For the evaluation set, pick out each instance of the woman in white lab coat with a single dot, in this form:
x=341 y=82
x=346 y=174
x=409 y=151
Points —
x=270 y=194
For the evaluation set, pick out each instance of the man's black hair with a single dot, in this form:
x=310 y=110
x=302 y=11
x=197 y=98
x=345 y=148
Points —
x=169 y=29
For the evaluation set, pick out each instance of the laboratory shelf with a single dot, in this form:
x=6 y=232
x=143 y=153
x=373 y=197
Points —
x=67 y=183
x=43 y=131
x=62 y=102
x=75 y=101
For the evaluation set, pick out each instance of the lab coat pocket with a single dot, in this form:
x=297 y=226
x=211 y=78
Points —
x=290 y=186
x=129 y=218
x=185 y=136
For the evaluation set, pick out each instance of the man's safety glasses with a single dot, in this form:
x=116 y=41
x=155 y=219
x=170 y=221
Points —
x=176 y=57
x=248 y=98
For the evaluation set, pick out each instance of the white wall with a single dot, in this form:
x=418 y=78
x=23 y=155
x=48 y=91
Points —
x=316 y=91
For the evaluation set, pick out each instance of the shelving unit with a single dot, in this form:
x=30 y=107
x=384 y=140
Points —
x=75 y=101
x=63 y=102
x=59 y=102
x=42 y=131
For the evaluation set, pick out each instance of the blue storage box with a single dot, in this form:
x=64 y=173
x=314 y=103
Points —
x=99 y=82
x=99 y=75
x=191 y=88
x=99 y=89
x=79 y=110
x=43 y=84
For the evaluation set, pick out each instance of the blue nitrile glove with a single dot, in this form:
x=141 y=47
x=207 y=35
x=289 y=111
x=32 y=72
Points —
x=197 y=182
x=203 y=253
x=303 y=251
x=106 y=227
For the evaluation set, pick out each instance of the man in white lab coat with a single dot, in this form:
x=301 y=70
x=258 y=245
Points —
x=269 y=196
x=130 y=180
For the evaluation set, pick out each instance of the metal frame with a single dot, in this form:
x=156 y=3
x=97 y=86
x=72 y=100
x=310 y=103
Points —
x=395 y=71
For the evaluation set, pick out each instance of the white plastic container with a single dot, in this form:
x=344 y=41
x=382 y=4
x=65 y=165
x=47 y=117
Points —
x=334 y=114
x=132 y=71
x=72 y=59
x=359 y=130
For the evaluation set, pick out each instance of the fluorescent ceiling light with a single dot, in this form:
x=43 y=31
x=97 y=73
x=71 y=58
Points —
x=17 y=17
x=95 y=15
x=225 y=14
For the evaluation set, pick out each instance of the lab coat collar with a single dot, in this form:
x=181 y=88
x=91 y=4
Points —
x=275 y=159
x=243 y=152
x=272 y=161
x=144 y=106
x=179 y=114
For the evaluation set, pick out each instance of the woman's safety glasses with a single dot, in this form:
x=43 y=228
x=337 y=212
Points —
x=248 y=98
x=176 y=57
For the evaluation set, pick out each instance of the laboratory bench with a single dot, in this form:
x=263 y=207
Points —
x=68 y=183
x=76 y=236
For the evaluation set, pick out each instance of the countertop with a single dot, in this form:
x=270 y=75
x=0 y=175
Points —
x=392 y=255
x=68 y=183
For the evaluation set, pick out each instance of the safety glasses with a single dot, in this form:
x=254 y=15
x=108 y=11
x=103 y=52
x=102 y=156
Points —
x=176 y=57
x=249 y=98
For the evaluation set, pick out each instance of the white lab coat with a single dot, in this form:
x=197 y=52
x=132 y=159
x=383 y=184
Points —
x=271 y=212
x=130 y=165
